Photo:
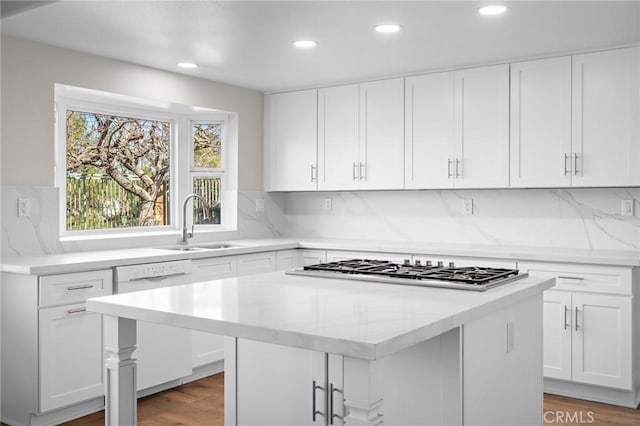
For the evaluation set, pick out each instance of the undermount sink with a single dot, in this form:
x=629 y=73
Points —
x=197 y=247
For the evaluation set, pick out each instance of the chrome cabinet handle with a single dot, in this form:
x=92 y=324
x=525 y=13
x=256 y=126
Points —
x=566 y=310
x=79 y=287
x=458 y=168
x=566 y=277
x=449 y=168
x=575 y=164
x=363 y=166
x=355 y=173
x=332 y=415
x=314 y=410
x=577 y=318
x=314 y=173
x=76 y=311
x=566 y=157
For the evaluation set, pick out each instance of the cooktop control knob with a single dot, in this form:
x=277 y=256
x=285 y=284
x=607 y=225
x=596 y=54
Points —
x=407 y=262
x=418 y=262
x=428 y=263
x=440 y=264
x=452 y=264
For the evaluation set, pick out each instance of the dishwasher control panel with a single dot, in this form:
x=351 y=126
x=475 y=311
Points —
x=152 y=270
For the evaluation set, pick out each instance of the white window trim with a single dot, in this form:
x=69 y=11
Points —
x=180 y=116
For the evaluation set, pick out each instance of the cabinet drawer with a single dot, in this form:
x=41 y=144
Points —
x=599 y=278
x=466 y=261
x=214 y=268
x=74 y=288
x=256 y=262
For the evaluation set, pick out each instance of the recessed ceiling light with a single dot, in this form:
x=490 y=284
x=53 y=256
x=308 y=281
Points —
x=492 y=10
x=304 y=43
x=387 y=28
x=187 y=65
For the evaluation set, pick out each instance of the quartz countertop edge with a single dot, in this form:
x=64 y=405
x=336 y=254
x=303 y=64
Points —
x=292 y=333
x=59 y=263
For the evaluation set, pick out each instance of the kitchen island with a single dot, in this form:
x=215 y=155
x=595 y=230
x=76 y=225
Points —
x=305 y=350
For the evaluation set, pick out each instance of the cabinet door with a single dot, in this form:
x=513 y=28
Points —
x=541 y=123
x=556 y=332
x=338 y=137
x=207 y=348
x=602 y=340
x=71 y=356
x=293 y=141
x=429 y=131
x=274 y=385
x=382 y=134
x=255 y=263
x=286 y=259
x=605 y=118
x=482 y=127
x=311 y=257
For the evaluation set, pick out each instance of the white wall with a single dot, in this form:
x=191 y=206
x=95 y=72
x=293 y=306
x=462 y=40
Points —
x=573 y=218
x=29 y=71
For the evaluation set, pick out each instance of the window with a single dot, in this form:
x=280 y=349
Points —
x=127 y=164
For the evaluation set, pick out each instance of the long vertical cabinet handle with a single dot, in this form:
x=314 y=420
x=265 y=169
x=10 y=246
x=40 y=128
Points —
x=458 y=168
x=575 y=164
x=566 y=310
x=577 y=310
x=449 y=161
x=566 y=171
x=314 y=173
x=314 y=409
x=332 y=415
x=361 y=167
x=355 y=172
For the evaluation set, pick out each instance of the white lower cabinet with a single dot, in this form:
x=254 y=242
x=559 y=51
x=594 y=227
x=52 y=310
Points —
x=255 y=263
x=286 y=259
x=308 y=257
x=588 y=323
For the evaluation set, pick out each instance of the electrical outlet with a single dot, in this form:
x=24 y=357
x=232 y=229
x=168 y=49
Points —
x=24 y=207
x=259 y=205
x=467 y=207
x=627 y=208
x=327 y=204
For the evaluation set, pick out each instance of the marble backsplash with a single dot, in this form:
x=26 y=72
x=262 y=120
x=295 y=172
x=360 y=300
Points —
x=39 y=233
x=568 y=218
x=571 y=218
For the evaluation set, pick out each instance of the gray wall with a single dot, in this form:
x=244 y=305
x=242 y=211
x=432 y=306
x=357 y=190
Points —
x=29 y=71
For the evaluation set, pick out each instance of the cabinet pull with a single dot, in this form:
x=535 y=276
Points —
x=566 y=277
x=566 y=310
x=577 y=318
x=76 y=311
x=458 y=168
x=566 y=171
x=575 y=163
x=363 y=166
x=315 y=411
x=449 y=168
x=313 y=173
x=355 y=173
x=332 y=415
x=79 y=287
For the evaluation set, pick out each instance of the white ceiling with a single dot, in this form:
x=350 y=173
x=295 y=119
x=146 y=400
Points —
x=249 y=43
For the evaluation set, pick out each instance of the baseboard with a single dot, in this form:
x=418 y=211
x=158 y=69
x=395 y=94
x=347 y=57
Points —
x=205 y=371
x=592 y=393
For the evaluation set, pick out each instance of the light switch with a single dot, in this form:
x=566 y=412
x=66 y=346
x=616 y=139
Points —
x=24 y=207
x=467 y=207
x=327 y=204
x=259 y=205
x=627 y=208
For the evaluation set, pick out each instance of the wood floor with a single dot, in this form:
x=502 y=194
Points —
x=200 y=403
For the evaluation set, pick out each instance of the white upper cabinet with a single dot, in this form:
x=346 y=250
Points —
x=429 y=131
x=457 y=129
x=291 y=151
x=338 y=136
x=381 y=153
x=541 y=123
x=482 y=127
x=361 y=136
x=606 y=136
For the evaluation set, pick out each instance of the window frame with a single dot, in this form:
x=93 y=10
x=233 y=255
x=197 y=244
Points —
x=180 y=118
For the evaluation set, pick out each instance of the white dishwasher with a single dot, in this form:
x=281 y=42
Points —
x=163 y=353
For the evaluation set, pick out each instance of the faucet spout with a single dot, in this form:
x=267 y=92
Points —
x=185 y=233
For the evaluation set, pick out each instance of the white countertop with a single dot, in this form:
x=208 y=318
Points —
x=359 y=319
x=85 y=261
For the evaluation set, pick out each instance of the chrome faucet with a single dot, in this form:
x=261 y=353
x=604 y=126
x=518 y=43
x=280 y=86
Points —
x=185 y=234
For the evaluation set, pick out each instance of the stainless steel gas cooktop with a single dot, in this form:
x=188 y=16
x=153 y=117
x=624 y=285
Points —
x=476 y=278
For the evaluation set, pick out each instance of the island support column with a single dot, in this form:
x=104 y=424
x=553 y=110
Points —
x=120 y=372
x=363 y=391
